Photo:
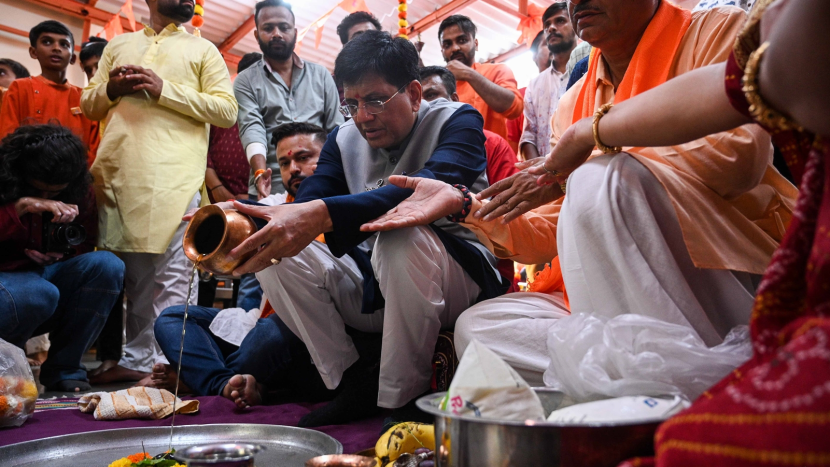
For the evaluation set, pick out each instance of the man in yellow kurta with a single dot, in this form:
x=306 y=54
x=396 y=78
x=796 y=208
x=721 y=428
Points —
x=678 y=233
x=158 y=90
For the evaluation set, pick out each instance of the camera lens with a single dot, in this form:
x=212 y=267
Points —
x=71 y=234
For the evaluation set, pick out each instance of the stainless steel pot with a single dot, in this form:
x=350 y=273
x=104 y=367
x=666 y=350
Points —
x=219 y=455
x=464 y=441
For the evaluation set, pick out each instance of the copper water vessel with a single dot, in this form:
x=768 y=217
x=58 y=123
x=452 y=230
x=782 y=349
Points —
x=213 y=233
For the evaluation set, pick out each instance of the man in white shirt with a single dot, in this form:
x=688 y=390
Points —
x=544 y=91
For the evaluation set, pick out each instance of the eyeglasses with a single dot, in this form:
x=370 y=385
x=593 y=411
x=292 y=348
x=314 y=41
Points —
x=371 y=107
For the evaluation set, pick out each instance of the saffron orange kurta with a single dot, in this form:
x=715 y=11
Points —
x=733 y=206
x=501 y=75
x=36 y=100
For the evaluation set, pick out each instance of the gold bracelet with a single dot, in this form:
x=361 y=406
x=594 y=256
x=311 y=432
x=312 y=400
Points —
x=597 y=116
x=760 y=110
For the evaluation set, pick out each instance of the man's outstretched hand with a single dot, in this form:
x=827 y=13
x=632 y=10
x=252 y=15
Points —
x=516 y=195
x=432 y=200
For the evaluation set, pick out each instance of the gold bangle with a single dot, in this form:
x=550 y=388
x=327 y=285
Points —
x=760 y=110
x=597 y=116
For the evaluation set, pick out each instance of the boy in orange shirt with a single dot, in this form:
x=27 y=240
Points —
x=49 y=98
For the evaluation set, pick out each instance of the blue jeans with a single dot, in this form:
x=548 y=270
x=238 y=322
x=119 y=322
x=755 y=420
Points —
x=250 y=293
x=70 y=300
x=208 y=362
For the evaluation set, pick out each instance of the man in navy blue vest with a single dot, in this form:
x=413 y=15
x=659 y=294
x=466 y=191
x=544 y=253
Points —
x=405 y=284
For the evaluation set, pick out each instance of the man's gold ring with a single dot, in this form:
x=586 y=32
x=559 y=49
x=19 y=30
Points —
x=275 y=261
x=552 y=172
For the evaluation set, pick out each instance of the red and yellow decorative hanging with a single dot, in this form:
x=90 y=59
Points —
x=402 y=22
x=198 y=14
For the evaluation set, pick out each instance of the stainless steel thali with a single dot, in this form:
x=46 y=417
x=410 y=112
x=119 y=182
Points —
x=285 y=445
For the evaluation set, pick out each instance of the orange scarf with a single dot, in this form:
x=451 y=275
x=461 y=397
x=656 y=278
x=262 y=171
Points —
x=650 y=64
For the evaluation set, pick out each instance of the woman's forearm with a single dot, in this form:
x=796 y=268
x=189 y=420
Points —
x=683 y=109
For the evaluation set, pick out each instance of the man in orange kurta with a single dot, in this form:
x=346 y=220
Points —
x=48 y=98
x=490 y=88
x=680 y=233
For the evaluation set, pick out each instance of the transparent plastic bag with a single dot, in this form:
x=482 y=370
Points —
x=594 y=357
x=18 y=392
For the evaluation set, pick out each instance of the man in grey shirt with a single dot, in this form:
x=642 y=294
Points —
x=281 y=88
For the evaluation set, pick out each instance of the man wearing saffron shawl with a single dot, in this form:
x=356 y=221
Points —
x=678 y=233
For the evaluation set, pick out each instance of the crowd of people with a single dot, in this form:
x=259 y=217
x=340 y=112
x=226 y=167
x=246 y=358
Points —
x=636 y=172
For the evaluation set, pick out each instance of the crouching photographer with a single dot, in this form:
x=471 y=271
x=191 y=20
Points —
x=50 y=279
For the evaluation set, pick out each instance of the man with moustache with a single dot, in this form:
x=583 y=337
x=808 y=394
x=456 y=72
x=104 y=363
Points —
x=158 y=90
x=490 y=88
x=543 y=92
x=281 y=88
x=678 y=233
x=239 y=353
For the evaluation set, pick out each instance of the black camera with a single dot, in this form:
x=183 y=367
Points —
x=61 y=238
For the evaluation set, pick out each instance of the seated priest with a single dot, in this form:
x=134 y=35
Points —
x=406 y=284
x=232 y=352
x=679 y=233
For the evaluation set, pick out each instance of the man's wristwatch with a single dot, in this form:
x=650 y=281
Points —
x=465 y=207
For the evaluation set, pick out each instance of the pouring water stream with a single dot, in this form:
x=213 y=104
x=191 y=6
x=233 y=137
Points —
x=181 y=350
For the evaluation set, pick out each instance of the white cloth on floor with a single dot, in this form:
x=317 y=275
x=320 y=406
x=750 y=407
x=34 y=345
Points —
x=233 y=324
x=316 y=295
x=152 y=283
x=621 y=251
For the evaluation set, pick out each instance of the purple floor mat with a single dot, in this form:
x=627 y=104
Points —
x=213 y=410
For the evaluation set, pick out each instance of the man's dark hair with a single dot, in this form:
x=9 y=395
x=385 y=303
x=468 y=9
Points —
x=55 y=27
x=537 y=41
x=51 y=154
x=247 y=60
x=446 y=76
x=272 y=3
x=287 y=130
x=17 y=68
x=376 y=52
x=92 y=48
x=463 y=22
x=355 y=18
x=553 y=9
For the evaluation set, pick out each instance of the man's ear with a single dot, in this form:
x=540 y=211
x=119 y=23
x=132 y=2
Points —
x=415 y=93
x=33 y=52
x=73 y=59
x=454 y=97
x=476 y=43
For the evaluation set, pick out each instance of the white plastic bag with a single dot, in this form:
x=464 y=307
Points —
x=487 y=387
x=594 y=357
x=18 y=392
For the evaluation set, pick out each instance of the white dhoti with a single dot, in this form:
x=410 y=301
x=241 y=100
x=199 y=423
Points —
x=153 y=282
x=425 y=290
x=621 y=249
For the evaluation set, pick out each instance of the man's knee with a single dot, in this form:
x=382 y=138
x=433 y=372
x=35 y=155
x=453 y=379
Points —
x=404 y=243
x=606 y=182
x=464 y=331
x=102 y=267
x=38 y=306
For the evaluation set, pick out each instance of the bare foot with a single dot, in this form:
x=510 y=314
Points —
x=104 y=366
x=163 y=377
x=243 y=390
x=117 y=374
